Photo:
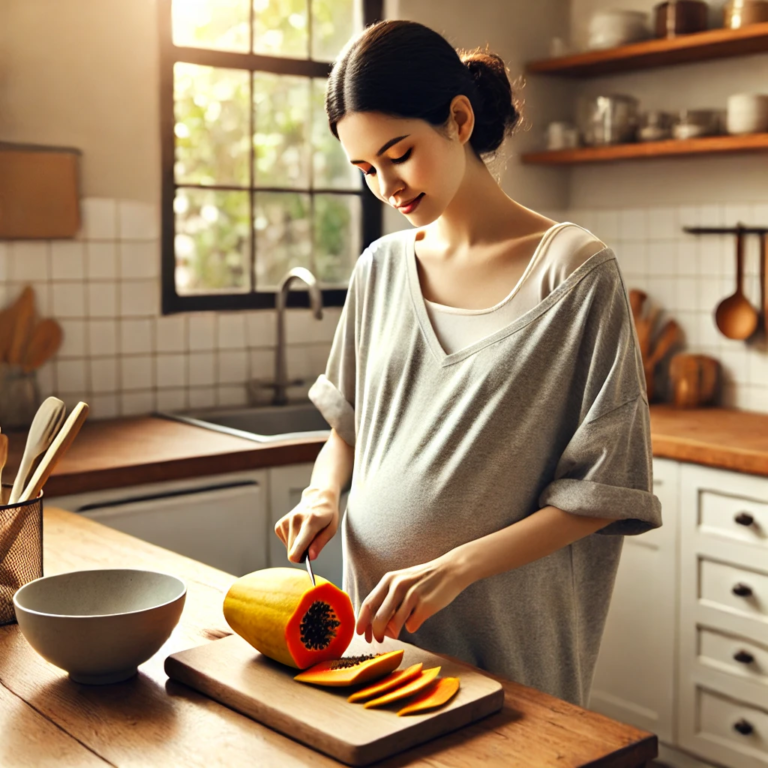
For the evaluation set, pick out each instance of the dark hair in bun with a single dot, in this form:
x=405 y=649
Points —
x=405 y=69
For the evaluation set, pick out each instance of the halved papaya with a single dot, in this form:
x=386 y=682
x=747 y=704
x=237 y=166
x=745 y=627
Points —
x=438 y=693
x=280 y=613
x=396 y=679
x=351 y=670
x=421 y=682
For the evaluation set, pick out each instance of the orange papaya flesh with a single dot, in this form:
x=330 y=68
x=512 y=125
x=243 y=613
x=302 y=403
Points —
x=438 y=693
x=394 y=680
x=351 y=670
x=409 y=689
x=280 y=613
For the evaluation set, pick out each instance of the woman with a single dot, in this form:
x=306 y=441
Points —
x=484 y=384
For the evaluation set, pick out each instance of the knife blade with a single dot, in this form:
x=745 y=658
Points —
x=309 y=567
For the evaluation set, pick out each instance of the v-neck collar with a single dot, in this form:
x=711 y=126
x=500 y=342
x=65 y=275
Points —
x=428 y=332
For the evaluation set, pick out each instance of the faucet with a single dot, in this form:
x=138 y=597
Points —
x=316 y=303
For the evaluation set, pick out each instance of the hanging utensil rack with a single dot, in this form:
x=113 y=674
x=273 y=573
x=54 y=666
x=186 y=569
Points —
x=746 y=230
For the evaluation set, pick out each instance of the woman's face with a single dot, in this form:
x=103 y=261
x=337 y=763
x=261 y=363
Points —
x=408 y=163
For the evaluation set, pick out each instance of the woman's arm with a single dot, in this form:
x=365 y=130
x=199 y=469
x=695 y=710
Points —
x=410 y=596
x=316 y=518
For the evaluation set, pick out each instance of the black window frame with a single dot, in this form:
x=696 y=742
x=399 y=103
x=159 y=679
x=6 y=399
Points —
x=170 y=54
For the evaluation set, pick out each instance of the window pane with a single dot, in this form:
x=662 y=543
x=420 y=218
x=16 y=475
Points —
x=338 y=223
x=280 y=28
x=211 y=109
x=220 y=24
x=333 y=23
x=283 y=239
x=330 y=167
x=212 y=244
x=281 y=140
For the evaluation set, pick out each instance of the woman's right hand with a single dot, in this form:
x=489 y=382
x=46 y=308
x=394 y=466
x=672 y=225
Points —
x=313 y=521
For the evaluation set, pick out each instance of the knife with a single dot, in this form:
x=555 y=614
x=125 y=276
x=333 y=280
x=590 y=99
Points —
x=309 y=566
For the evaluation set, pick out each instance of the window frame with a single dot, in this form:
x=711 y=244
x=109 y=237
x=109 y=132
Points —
x=170 y=54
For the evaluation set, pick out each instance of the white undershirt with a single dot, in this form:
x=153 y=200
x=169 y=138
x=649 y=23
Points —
x=563 y=248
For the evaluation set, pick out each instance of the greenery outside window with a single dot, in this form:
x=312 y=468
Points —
x=253 y=182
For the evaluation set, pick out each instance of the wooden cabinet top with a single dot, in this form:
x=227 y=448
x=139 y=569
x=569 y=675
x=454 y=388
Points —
x=46 y=719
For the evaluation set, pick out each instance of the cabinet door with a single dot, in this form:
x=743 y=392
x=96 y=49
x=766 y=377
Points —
x=221 y=520
x=634 y=679
x=285 y=487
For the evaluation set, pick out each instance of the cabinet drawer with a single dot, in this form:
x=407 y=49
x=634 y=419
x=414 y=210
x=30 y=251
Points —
x=733 y=654
x=736 y=517
x=733 y=589
x=728 y=722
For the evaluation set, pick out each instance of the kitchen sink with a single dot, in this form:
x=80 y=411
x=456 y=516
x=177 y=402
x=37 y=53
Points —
x=267 y=424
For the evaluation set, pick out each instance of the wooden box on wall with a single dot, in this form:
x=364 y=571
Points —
x=39 y=196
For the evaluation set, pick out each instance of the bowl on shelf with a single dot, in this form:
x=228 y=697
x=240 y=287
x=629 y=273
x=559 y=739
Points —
x=695 y=123
x=612 y=28
x=654 y=125
x=747 y=113
x=99 y=625
x=742 y=13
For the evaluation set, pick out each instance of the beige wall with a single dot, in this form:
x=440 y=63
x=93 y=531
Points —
x=83 y=73
x=705 y=180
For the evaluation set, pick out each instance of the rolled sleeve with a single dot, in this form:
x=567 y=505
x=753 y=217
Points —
x=606 y=471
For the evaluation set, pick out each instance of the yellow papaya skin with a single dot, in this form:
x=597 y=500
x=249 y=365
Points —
x=262 y=608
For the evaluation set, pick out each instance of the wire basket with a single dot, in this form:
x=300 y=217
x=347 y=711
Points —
x=21 y=548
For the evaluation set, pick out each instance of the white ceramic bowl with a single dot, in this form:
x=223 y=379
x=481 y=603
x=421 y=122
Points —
x=611 y=28
x=99 y=625
x=747 y=113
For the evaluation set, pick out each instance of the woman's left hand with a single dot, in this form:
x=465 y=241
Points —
x=408 y=597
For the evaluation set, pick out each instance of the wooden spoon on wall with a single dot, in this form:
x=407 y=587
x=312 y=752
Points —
x=735 y=316
x=23 y=317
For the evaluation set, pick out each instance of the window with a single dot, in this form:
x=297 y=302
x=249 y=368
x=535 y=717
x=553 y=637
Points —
x=253 y=182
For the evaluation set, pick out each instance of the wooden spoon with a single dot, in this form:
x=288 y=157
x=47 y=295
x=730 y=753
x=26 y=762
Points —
x=44 y=429
x=58 y=448
x=6 y=332
x=670 y=334
x=735 y=316
x=43 y=344
x=24 y=311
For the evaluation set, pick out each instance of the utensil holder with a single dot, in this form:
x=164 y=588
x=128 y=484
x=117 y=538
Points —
x=21 y=548
x=19 y=397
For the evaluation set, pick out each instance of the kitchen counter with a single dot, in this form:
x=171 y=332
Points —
x=122 y=452
x=149 y=720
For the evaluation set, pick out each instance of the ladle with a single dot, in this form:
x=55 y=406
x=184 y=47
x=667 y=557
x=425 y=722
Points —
x=735 y=316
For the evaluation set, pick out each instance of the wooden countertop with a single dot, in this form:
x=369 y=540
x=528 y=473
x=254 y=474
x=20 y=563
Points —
x=122 y=452
x=717 y=437
x=46 y=719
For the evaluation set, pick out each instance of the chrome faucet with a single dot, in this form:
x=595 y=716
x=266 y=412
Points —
x=316 y=303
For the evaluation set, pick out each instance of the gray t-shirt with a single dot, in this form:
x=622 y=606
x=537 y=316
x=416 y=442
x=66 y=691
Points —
x=550 y=410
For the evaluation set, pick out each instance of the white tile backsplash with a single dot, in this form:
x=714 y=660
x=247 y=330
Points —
x=123 y=358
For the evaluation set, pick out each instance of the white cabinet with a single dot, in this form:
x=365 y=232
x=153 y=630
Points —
x=221 y=520
x=634 y=678
x=285 y=487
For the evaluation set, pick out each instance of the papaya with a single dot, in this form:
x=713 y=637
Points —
x=438 y=693
x=351 y=670
x=280 y=613
x=394 y=680
x=409 y=689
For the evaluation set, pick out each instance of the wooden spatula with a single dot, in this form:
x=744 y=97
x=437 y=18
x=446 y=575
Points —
x=58 y=448
x=45 y=427
x=6 y=333
x=43 y=344
x=23 y=317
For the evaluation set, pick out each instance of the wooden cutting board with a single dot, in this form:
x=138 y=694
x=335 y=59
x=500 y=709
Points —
x=232 y=672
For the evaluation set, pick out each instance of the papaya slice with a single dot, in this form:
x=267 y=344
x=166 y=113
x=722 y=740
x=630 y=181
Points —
x=421 y=682
x=437 y=694
x=280 y=613
x=351 y=670
x=396 y=679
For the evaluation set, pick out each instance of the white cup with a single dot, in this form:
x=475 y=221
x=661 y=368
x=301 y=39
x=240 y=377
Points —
x=747 y=113
x=561 y=135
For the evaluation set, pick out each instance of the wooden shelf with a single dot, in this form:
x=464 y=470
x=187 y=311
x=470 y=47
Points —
x=703 y=46
x=710 y=145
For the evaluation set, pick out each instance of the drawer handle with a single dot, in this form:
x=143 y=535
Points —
x=744 y=518
x=742 y=590
x=744 y=727
x=743 y=657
